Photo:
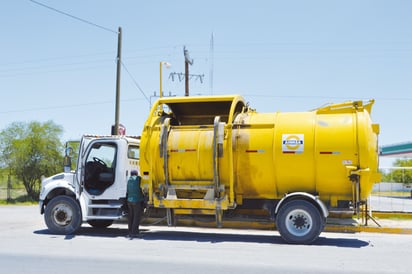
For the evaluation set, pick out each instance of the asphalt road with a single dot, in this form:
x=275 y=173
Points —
x=27 y=247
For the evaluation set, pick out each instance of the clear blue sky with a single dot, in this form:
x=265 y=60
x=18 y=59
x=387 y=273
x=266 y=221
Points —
x=280 y=55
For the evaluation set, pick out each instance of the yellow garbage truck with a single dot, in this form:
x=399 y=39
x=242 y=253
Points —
x=215 y=155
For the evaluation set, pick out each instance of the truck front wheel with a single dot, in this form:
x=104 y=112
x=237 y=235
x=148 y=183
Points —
x=63 y=215
x=299 y=222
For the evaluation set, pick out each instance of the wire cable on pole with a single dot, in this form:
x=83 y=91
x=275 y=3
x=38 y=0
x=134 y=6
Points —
x=135 y=82
x=74 y=17
x=98 y=26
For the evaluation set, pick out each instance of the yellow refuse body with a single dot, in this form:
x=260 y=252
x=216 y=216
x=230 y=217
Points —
x=208 y=154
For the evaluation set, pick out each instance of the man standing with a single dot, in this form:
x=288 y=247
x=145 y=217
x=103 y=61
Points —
x=134 y=202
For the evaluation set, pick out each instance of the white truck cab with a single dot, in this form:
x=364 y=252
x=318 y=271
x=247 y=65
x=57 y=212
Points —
x=95 y=192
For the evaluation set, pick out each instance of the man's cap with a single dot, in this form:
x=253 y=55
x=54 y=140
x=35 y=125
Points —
x=133 y=173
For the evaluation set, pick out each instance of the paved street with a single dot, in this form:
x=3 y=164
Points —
x=27 y=247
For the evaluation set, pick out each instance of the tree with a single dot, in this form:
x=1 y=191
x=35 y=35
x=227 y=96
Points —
x=31 y=150
x=401 y=174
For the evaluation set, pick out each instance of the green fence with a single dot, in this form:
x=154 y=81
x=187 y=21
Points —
x=394 y=193
x=12 y=194
x=11 y=190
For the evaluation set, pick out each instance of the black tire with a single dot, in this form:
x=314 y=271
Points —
x=299 y=222
x=63 y=215
x=100 y=223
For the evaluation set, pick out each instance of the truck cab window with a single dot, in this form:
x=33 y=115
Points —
x=133 y=152
x=100 y=167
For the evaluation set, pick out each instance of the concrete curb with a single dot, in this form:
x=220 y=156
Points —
x=360 y=228
x=392 y=223
x=386 y=222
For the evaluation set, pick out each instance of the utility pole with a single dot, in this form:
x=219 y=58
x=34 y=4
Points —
x=115 y=131
x=186 y=75
x=188 y=62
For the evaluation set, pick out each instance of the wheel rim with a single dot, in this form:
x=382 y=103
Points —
x=299 y=222
x=62 y=214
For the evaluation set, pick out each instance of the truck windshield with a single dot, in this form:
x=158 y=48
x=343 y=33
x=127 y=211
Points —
x=103 y=152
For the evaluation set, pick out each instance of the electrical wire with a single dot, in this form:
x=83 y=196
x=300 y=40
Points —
x=135 y=82
x=59 y=107
x=74 y=17
x=98 y=26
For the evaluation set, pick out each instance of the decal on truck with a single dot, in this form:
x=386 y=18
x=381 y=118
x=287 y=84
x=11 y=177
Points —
x=292 y=143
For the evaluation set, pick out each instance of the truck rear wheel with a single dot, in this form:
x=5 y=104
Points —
x=63 y=215
x=299 y=222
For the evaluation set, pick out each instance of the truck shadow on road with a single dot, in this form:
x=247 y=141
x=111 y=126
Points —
x=245 y=238
x=207 y=237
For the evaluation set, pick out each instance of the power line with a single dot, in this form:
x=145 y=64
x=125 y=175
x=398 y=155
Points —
x=74 y=17
x=54 y=59
x=55 y=107
x=59 y=107
x=305 y=97
x=54 y=65
x=135 y=82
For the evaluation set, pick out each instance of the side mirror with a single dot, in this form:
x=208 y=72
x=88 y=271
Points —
x=67 y=162
x=69 y=152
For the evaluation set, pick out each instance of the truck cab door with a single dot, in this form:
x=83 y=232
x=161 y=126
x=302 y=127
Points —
x=99 y=166
x=80 y=170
